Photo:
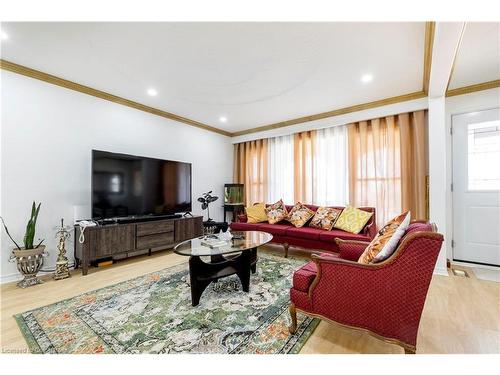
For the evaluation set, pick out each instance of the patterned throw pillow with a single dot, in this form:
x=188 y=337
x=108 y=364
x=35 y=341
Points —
x=256 y=213
x=276 y=212
x=386 y=241
x=325 y=217
x=299 y=215
x=352 y=220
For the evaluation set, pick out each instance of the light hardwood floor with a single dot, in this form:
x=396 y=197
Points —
x=461 y=315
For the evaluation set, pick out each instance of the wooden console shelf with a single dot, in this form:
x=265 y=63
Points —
x=125 y=239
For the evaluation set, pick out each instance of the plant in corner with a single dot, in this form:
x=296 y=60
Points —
x=29 y=258
x=205 y=200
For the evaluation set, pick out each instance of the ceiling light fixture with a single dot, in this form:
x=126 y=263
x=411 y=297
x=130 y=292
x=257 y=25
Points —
x=4 y=35
x=223 y=119
x=152 y=92
x=365 y=78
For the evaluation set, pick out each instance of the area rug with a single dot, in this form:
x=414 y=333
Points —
x=153 y=314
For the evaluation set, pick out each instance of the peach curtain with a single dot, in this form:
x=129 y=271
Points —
x=304 y=145
x=250 y=168
x=374 y=167
x=414 y=163
x=388 y=165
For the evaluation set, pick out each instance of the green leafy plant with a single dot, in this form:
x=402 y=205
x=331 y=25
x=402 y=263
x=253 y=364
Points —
x=29 y=236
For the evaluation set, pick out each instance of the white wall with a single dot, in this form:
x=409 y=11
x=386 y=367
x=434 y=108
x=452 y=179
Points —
x=476 y=101
x=47 y=134
x=437 y=174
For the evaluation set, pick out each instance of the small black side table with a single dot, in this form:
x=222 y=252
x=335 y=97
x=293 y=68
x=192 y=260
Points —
x=235 y=209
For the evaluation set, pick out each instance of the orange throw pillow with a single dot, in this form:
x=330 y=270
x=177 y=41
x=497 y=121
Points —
x=386 y=241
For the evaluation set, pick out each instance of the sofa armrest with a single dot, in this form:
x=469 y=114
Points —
x=350 y=249
x=370 y=230
x=242 y=218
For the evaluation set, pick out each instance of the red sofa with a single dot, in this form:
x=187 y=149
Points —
x=310 y=238
x=385 y=299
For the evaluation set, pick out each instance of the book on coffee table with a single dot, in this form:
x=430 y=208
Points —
x=213 y=242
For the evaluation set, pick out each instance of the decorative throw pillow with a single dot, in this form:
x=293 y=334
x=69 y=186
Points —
x=256 y=213
x=276 y=212
x=352 y=220
x=299 y=215
x=386 y=241
x=325 y=217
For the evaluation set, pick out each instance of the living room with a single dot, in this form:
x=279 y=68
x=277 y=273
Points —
x=234 y=187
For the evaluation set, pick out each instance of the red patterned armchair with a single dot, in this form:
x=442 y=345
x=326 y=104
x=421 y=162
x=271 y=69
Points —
x=385 y=299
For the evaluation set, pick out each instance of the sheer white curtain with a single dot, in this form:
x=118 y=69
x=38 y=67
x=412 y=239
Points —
x=280 y=169
x=331 y=179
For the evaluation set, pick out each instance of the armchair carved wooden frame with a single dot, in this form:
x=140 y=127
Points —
x=385 y=299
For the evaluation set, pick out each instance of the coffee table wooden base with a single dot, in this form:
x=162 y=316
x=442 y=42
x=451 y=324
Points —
x=202 y=273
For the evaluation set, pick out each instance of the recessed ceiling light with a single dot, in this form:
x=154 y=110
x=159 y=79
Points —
x=223 y=119
x=365 y=78
x=152 y=92
x=4 y=36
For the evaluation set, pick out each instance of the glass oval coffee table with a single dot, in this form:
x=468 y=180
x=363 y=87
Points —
x=227 y=257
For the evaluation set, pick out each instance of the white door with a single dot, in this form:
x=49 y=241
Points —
x=476 y=187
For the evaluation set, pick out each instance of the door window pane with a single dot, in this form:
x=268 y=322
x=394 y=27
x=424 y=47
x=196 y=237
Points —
x=484 y=155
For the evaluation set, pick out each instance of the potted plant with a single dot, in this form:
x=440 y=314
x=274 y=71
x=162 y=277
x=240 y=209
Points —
x=205 y=200
x=29 y=258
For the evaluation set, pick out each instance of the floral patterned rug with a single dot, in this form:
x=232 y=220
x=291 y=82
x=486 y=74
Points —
x=153 y=314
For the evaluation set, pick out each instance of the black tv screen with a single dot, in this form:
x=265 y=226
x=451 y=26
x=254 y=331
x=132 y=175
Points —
x=127 y=185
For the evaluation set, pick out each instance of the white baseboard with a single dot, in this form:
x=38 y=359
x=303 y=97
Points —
x=4 y=279
x=440 y=271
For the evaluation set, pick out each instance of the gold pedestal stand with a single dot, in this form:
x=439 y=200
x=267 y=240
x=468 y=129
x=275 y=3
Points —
x=62 y=268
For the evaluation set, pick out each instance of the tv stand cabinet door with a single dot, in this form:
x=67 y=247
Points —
x=114 y=240
x=188 y=228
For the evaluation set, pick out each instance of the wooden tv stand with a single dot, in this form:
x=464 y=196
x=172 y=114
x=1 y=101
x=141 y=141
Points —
x=124 y=240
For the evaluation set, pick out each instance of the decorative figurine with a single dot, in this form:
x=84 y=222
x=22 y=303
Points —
x=62 y=269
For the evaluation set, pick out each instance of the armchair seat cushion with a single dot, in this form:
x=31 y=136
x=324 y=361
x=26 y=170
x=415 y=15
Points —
x=304 y=277
x=337 y=233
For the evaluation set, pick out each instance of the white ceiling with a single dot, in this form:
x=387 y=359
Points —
x=252 y=73
x=478 y=58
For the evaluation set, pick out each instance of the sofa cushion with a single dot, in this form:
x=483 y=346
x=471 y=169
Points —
x=256 y=213
x=275 y=229
x=276 y=212
x=337 y=233
x=304 y=276
x=386 y=241
x=352 y=220
x=299 y=215
x=309 y=233
x=244 y=226
x=325 y=217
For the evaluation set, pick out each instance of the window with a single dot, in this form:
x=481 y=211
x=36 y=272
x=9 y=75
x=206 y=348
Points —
x=483 y=156
x=281 y=169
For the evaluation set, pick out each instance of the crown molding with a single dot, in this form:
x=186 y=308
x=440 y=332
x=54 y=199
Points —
x=36 y=74
x=335 y=112
x=473 y=88
x=430 y=28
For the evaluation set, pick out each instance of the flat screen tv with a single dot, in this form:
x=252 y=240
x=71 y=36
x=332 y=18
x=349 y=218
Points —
x=127 y=185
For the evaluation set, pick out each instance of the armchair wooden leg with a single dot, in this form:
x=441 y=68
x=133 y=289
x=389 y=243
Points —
x=286 y=246
x=410 y=350
x=293 y=315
